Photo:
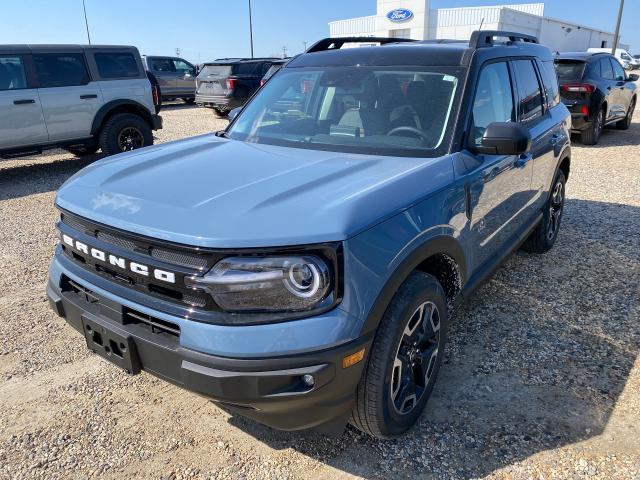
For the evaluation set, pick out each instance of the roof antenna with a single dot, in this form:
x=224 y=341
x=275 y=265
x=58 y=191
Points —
x=481 y=22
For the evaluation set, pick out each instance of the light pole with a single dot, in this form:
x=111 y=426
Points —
x=617 y=34
x=250 y=29
x=86 y=23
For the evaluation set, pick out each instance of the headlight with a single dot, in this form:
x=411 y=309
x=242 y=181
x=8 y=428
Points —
x=269 y=283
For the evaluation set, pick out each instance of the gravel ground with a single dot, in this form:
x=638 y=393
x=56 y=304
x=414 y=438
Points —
x=541 y=380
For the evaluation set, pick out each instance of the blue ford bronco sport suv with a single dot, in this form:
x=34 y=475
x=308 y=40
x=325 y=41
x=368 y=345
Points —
x=301 y=266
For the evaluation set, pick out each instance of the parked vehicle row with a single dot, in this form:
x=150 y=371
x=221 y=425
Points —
x=75 y=97
x=597 y=91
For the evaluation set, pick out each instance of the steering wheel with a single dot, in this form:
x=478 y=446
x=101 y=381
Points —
x=413 y=130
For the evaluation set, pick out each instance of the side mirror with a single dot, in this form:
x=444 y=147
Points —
x=234 y=113
x=505 y=138
x=632 y=77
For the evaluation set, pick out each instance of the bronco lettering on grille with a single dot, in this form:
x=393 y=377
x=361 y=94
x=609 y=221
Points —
x=120 y=262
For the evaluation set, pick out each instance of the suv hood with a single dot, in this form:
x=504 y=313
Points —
x=213 y=192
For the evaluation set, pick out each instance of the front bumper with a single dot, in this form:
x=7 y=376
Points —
x=269 y=389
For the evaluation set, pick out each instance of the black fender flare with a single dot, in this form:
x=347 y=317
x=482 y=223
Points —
x=109 y=107
x=439 y=244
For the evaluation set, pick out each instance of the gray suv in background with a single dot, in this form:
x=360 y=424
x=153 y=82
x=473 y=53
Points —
x=176 y=76
x=80 y=98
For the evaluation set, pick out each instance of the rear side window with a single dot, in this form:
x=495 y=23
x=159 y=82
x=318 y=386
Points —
x=245 y=68
x=570 y=69
x=493 y=101
x=530 y=106
x=618 y=71
x=61 y=69
x=116 y=65
x=550 y=81
x=606 y=70
x=183 y=67
x=12 y=75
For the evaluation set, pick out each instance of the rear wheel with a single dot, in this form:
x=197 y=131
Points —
x=544 y=236
x=591 y=135
x=124 y=132
x=625 y=123
x=189 y=100
x=404 y=360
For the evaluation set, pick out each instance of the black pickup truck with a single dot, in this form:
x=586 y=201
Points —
x=228 y=83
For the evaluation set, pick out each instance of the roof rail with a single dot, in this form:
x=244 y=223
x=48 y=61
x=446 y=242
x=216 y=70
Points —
x=337 y=43
x=484 y=38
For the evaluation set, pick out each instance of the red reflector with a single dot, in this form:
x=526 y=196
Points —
x=231 y=83
x=579 y=87
x=585 y=110
x=154 y=95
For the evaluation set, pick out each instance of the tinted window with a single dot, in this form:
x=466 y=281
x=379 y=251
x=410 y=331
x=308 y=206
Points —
x=61 y=69
x=12 y=76
x=163 y=65
x=618 y=71
x=245 y=68
x=606 y=70
x=530 y=106
x=116 y=65
x=493 y=101
x=550 y=80
x=570 y=69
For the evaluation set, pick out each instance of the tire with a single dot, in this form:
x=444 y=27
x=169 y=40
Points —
x=383 y=406
x=86 y=149
x=625 y=123
x=591 y=135
x=124 y=132
x=221 y=113
x=544 y=236
x=189 y=100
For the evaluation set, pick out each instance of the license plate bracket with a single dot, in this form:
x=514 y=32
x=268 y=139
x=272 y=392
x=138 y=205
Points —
x=111 y=343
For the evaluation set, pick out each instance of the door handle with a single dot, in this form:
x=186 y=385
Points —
x=24 y=101
x=90 y=95
x=523 y=159
x=555 y=139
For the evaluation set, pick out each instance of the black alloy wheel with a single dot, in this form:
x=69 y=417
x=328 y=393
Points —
x=415 y=359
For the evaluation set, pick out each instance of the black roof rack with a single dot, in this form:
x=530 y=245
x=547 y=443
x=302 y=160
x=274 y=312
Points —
x=484 y=38
x=336 y=43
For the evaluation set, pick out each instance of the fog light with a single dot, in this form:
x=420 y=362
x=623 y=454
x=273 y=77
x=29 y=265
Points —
x=308 y=380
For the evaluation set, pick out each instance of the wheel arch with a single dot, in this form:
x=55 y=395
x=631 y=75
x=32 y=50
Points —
x=441 y=256
x=119 y=106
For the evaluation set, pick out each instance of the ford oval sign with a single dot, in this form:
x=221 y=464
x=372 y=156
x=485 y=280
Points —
x=399 y=15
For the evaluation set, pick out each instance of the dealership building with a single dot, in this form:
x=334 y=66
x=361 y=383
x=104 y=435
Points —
x=414 y=19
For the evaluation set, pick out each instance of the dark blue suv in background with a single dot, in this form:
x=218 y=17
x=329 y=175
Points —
x=301 y=266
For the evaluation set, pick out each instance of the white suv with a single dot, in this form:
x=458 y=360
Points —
x=80 y=98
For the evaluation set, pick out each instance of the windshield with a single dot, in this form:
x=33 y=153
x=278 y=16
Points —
x=399 y=111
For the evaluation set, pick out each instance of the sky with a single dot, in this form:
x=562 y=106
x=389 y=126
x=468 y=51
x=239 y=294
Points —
x=207 y=29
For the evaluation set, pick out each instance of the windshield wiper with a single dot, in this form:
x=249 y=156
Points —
x=222 y=133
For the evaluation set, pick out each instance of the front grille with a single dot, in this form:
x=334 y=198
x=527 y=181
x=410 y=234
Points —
x=155 y=325
x=181 y=261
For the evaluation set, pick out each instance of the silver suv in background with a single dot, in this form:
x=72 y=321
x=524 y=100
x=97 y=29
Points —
x=80 y=98
x=176 y=76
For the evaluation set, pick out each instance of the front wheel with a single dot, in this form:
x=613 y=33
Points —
x=404 y=360
x=544 y=236
x=124 y=132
